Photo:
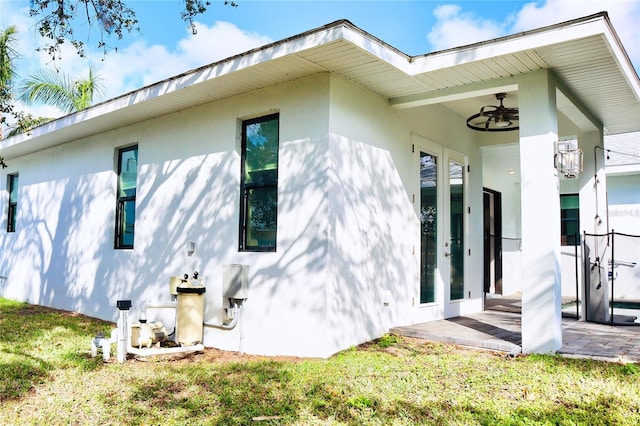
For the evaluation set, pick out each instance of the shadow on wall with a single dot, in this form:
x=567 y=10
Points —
x=373 y=269
x=64 y=247
x=64 y=255
x=343 y=250
x=286 y=310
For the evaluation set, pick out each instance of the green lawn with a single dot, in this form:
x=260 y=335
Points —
x=48 y=377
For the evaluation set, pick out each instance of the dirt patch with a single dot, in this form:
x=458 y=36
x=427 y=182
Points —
x=29 y=310
x=213 y=355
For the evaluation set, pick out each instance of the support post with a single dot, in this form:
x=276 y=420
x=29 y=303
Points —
x=540 y=198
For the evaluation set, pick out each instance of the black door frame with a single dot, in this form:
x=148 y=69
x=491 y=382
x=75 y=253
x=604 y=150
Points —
x=492 y=200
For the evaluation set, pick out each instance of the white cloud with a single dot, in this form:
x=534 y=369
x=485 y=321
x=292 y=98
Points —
x=140 y=64
x=456 y=28
x=624 y=15
x=136 y=65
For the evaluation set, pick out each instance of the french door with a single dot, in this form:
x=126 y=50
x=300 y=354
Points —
x=443 y=226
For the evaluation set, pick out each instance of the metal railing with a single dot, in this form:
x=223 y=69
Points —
x=611 y=277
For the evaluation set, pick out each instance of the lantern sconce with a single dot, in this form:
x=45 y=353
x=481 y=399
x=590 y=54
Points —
x=568 y=158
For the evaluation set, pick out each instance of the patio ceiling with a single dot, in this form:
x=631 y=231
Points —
x=585 y=54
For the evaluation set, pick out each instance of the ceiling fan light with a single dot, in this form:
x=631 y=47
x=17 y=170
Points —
x=492 y=118
x=503 y=122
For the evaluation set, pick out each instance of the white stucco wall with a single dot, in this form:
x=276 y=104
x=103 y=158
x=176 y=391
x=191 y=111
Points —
x=372 y=270
x=624 y=217
x=347 y=262
x=374 y=223
x=188 y=190
x=496 y=176
x=624 y=203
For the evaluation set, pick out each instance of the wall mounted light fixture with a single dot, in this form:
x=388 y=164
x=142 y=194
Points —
x=568 y=158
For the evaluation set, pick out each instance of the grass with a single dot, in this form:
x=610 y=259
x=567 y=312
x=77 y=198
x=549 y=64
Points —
x=47 y=376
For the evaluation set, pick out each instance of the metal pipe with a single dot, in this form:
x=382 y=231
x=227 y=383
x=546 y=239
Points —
x=577 y=235
x=613 y=274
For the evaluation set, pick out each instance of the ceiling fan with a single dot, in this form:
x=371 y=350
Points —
x=492 y=118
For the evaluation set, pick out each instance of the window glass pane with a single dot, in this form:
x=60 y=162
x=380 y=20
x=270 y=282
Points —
x=428 y=209
x=13 y=188
x=570 y=220
x=262 y=208
x=261 y=152
x=127 y=222
x=11 y=223
x=569 y=202
x=126 y=205
x=259 y=184
x=128 y=172
x=13 y=203
x=456 y=190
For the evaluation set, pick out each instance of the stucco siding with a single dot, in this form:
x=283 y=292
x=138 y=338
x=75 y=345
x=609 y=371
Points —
x=373 y=271
x=188 y=190
x=346 y=267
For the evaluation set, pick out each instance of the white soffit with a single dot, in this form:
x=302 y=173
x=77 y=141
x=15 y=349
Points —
x=585 y=55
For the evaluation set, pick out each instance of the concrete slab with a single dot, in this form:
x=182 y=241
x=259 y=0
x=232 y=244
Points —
x=501 y=331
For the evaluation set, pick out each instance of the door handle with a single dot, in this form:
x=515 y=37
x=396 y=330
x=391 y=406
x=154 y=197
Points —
x=447 y=254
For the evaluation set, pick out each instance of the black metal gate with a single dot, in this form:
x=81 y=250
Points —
x=611 y=277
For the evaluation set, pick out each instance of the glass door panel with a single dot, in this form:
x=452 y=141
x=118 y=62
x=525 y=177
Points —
x=428 y=222
x=457 y=231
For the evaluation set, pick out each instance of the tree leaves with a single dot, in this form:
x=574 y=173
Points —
x=58 y=18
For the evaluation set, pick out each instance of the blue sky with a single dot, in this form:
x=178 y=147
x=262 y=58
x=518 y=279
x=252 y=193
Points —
x=165 y=47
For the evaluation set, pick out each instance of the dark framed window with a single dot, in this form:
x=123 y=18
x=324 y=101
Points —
x=570 y=219
x=259 y=184
x=126 y=197
x=12 y=184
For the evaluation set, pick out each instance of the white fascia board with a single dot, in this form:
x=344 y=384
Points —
x=379 y=49
x=49 y=134
x=621 y=58
x=623 y=170
x=507 y=45
x=227 y=66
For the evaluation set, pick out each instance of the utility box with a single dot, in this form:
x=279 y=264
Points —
x=235 y=281
x=190 y=312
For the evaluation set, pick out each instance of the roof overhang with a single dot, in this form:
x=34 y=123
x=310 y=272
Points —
x=585 y=54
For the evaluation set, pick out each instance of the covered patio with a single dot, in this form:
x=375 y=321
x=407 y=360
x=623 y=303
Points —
x=501 y=330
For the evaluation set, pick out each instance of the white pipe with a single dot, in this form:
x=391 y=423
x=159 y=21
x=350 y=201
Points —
x=229 y=326
x=168 y=305
x=123 y=335
x=104 y=344
x=241 y=338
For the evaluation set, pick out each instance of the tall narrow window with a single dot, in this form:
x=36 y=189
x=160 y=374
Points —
x=570 y=220
x=457 y=230
x=126 y=197
x=13 y=202
x=259 y=184
x=429 y=227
